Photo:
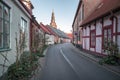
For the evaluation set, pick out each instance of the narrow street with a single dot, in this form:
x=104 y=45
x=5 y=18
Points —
x=63 y=62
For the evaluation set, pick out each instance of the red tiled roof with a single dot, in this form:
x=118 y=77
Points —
x=104 y=8
x=69 y=35
x=43 y=27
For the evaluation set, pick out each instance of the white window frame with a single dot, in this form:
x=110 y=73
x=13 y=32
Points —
x=5 y=32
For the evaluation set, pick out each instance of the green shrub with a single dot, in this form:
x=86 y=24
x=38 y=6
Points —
x=109 y=60
x=111 y=48
x=23 y=70
x=27 y=63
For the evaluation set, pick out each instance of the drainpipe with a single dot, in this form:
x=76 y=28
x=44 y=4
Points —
x=116 y=28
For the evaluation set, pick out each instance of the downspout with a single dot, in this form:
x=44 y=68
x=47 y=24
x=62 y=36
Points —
x=30 y=36
x=116 y=28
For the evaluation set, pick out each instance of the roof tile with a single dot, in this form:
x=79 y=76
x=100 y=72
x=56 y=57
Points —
x=105 y=7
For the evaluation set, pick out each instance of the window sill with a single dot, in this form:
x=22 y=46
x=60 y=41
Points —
x=3 y=50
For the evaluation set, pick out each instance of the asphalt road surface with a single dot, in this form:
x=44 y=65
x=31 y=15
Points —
x=64 y=62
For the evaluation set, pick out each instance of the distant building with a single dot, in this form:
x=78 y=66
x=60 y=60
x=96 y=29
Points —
x=70 y=35
x=48 y=35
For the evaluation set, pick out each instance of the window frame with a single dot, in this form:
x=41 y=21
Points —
x=23 y=21
x=109 y=27
x=5 y=39
x=92 y=38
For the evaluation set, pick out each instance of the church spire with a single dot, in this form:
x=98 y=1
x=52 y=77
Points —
x=53 y=23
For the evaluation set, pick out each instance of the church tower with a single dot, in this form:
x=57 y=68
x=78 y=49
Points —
x=53 y=23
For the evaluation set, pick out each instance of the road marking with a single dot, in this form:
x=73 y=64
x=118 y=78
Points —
x=69 y=62
x=66 y=58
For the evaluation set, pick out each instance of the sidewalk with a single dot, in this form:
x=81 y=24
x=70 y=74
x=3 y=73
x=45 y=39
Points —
x=37 y=72
x=112 y=68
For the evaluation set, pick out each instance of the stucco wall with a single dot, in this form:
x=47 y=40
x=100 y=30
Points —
x=87 y=31
x=87 y=43
x=15 y=19
x=98 y=44
x=98 y=28
x=107 y=21
x=51 y=39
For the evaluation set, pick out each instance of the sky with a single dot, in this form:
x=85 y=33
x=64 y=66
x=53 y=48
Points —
x=64 y=11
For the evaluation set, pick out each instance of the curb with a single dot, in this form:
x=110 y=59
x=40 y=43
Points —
x=93 y=59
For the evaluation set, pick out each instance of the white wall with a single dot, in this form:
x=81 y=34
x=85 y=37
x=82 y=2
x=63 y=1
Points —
x=50 y=39
x=107 y=21
x=118 y=23
x=118 y=39
x=87 y=43
x=92 y=27
x=98 y=44
x=98 y=28
x=15 y=19
x=87 y=31
x=83 y=43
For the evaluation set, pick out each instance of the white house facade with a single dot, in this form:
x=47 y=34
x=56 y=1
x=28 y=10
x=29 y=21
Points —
x=100 y=26
x=13 y=16
x=49 y=39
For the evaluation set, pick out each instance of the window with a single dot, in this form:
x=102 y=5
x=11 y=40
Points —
x=23 y=24
x=4 y=26
x=107 y=36
x=92 y=38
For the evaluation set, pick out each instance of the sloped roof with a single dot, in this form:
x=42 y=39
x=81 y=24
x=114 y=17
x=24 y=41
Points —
x=43 y=27
x=51 y=31
x=70 y=35
x=58 y=32
x=63 y=35
x=54 y=30
x=28 y=10
x=104 y=8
